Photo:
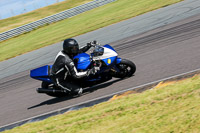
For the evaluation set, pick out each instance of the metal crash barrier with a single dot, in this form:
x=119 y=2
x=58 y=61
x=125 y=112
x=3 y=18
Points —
x=53 y=18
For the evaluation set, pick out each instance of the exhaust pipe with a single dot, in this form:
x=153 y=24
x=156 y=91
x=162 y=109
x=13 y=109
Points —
x=43 y=90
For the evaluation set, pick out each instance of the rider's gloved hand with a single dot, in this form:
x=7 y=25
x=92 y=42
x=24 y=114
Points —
x=94 y=42
x=91 y=71
x=90 y=44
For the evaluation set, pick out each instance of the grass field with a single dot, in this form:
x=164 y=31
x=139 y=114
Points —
x=169 y=108
x=85 y=22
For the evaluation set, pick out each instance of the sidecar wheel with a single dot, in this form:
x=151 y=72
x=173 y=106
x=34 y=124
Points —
x=127 y=68
x=47 y=85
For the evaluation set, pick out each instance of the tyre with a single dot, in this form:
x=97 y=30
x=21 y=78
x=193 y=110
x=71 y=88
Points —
x=47 y=85
x=127 y=68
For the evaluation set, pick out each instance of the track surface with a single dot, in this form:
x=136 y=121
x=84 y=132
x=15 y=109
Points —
x=160 y=53
x=111 y=33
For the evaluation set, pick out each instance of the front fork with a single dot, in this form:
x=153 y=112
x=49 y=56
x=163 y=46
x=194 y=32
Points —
x=114 y=68
x=118 y=60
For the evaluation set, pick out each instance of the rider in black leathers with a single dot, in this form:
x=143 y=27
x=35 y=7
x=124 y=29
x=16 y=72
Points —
x=64 y=69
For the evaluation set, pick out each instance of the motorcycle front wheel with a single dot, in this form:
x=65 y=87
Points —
x=127 y=69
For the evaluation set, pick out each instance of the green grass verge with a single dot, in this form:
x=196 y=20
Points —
x=85 y=22
x=172 y=108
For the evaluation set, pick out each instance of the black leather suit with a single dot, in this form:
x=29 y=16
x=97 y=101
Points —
x=64 y=71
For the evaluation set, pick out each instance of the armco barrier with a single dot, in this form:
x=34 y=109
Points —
x=53 y=18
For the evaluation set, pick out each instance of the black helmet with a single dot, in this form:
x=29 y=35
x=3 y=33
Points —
x=70 y=47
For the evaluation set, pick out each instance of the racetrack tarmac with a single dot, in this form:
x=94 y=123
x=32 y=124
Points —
x=158 y=54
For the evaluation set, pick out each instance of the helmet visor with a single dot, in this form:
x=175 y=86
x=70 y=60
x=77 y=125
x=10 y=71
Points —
x=74 y=49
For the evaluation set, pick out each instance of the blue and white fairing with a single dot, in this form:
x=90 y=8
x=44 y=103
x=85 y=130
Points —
x=109 y=55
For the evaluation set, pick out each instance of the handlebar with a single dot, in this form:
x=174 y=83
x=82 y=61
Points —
x=94 y=43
